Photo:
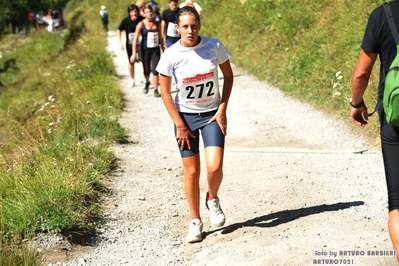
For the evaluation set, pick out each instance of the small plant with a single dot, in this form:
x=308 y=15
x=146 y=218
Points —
x=338 y=84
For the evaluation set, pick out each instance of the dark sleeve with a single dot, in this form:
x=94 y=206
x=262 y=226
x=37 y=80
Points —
x=372 y=34
x=122 y=25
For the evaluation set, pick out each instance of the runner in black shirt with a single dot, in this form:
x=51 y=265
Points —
x=168 y=26
x=129 y=24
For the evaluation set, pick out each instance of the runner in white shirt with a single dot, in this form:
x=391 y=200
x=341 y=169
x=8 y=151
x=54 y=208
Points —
x=198 y=107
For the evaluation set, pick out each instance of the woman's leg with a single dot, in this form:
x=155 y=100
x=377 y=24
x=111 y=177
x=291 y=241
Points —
x=146 y=67
x=214 y=154
x=156 y=55
x=214 y=165
x=146 y=63
x=156 y=81
x=131 y=70
x=192 y=171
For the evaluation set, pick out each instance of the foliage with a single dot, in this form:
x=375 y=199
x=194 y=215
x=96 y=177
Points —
x=17 y=254
x=18 y=10
x=58 y=115
x=298 y=46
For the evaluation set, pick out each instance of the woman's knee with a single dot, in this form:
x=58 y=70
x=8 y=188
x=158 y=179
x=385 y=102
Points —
x=192 y=172
x=214 y=170
x=192 y=176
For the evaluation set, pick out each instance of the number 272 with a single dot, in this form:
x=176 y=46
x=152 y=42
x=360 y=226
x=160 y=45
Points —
x=208 y=86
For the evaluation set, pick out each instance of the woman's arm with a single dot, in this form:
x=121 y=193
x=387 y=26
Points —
x=163 y=34
x=134 y=43
x=160 y=36
x=228 y=77
x=183 y=132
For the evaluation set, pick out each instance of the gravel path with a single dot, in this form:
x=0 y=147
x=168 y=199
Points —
x=299 y=188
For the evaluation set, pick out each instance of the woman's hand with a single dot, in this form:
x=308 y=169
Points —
x=133 y=58
x=221 y=119
x=183 y=135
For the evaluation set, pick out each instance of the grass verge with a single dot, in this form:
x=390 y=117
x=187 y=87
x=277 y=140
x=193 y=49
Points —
x=60 y=107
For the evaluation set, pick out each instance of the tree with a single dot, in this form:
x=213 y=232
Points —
x=17 y=10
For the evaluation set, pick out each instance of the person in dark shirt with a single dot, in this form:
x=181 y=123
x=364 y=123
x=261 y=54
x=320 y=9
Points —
x=168 y=24
x=151 y=44
x=104 y=19
x=378 y=41
x=129 y=24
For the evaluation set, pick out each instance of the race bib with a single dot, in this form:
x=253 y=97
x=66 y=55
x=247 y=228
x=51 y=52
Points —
x=199 y=90
x=131 y=37
x=172 y=31
x=152 y=39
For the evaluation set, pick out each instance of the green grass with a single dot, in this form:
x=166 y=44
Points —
x=59 y=114
x=60 y=99
x=298 y=46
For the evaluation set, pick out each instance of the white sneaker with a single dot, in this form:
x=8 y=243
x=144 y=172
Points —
x=217 y=216
x=195 y=231
x=131 y=83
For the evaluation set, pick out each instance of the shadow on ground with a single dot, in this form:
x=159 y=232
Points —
x=286 y=216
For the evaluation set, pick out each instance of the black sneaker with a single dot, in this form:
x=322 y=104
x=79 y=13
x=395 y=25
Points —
x=156 y=94
x=146 y=87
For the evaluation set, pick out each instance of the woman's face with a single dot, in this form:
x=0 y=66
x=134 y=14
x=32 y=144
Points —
x=133 y=14
x=189 y=30
x=148 y=14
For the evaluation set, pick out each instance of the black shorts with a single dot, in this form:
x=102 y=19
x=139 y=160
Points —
x=211 y=133
x=390 y=150
x=129 y=52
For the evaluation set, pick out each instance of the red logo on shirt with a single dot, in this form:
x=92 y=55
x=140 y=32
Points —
x=198 y=77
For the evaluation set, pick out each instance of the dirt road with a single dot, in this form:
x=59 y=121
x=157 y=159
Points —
x=295 y=190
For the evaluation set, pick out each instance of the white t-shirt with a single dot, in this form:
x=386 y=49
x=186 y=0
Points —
x=102 y=11
x=196 y=71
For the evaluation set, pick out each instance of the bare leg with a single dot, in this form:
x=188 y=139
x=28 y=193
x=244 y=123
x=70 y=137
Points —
x=214 y=164
x=393 y=226
x=191 y=184
x=105 y=26
x=156 y=81
x=131 y=70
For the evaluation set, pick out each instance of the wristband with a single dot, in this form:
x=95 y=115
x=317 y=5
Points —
x=356 y=106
